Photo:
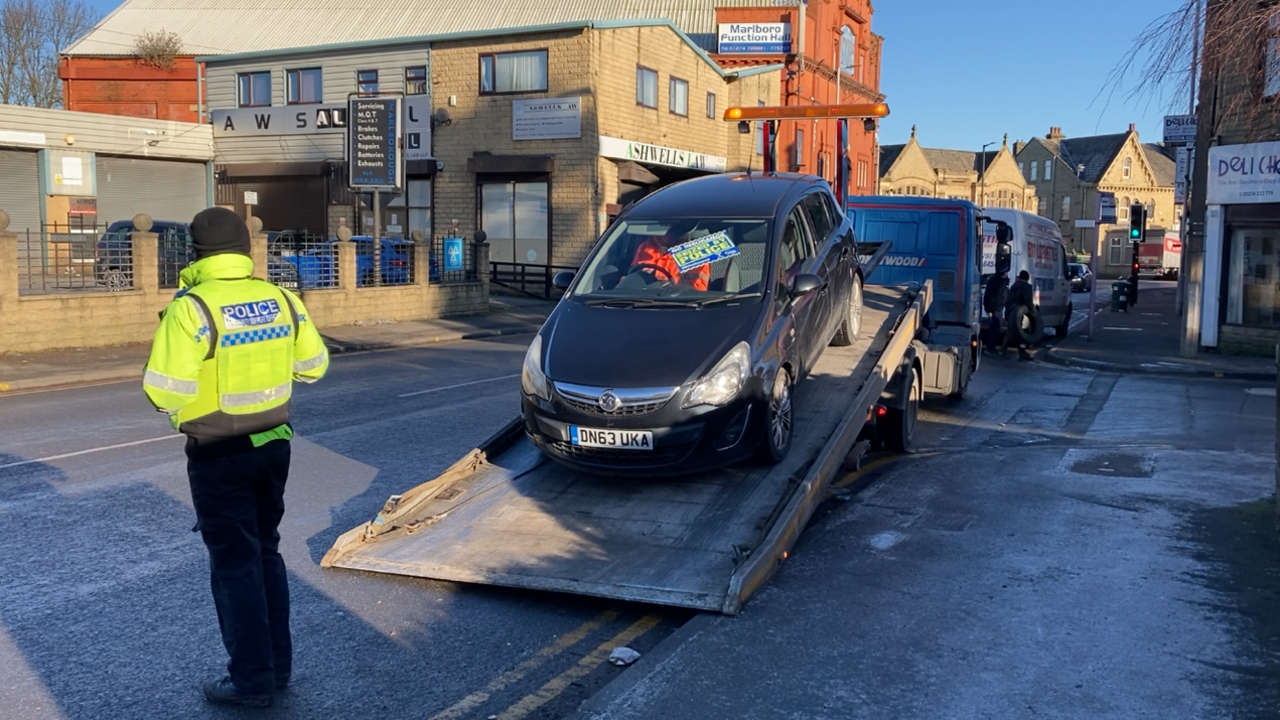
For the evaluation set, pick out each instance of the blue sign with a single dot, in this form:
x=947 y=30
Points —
x=373 y=140
x=703 y=251
x=452 y=253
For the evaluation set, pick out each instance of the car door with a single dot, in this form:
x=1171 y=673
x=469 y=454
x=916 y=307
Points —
x=832 y=258
x=794 y=256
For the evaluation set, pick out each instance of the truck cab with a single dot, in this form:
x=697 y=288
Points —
x=931 y=239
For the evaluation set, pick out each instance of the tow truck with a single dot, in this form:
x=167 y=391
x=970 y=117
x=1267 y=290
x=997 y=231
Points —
x=506 y=515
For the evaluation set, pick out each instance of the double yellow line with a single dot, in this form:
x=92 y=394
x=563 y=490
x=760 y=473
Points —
x=557 y=685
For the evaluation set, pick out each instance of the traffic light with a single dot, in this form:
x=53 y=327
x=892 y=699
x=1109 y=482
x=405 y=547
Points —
x=1137 y=222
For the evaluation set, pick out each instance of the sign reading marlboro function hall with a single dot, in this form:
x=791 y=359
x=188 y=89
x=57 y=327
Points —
x=373 y=143
x=754 y=38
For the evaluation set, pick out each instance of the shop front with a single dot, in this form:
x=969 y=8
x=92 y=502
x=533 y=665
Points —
x=643 y=168
x=1242 y=248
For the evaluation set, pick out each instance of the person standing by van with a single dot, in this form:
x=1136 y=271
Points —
x=994 y=298
x=1021 y=294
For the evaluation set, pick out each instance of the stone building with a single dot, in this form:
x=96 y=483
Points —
x=538 y=135
x=989 y=179
x=1068 y=173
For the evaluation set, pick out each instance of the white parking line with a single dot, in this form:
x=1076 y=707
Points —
x=86 y=452
x=459 y=385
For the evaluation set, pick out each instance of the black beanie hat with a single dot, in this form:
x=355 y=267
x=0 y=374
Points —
x=217 y=231
x=1024 y=275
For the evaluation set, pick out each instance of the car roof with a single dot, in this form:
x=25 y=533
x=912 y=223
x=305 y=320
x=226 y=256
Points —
x=725 y=195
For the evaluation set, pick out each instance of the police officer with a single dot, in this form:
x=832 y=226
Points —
x=222 y=366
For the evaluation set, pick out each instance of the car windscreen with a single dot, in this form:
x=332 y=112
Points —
x=693 y=259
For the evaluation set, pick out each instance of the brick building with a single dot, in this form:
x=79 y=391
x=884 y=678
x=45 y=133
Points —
x=127 y=86
x=535 y=135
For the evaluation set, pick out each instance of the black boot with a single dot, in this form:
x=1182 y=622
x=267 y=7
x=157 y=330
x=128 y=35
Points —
x=224 y=692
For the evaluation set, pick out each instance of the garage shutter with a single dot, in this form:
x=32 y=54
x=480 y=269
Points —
x=286 y=203
x=20 y=190
x=164 y=189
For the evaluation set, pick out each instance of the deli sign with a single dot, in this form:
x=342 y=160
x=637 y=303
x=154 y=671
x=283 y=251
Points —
x=1244 y=174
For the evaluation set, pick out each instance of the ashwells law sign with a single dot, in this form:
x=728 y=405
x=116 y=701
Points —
x=1241 y=174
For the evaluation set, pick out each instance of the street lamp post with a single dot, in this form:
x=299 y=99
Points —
x=982 y=191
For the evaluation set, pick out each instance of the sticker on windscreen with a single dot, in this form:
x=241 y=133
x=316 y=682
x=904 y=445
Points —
x=703 y=251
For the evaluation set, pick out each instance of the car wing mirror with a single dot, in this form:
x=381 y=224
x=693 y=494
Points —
x=563 y=279
x=1004 y=257
x=805 y=283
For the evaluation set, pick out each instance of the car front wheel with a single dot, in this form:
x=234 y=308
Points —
x=779 y=420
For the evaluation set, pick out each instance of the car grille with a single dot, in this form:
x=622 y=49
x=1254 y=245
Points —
x=620 y=458
x=632 y=401
x=595 y=409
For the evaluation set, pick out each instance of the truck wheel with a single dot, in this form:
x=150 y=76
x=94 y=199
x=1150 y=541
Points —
x=851 y=325
x=779 y=421
x=1062 y=330
x=1027 y=325
x=900 y=423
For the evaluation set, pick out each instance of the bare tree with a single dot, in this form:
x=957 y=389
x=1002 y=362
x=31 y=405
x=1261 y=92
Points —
x=1231 y=45
x=32 y=32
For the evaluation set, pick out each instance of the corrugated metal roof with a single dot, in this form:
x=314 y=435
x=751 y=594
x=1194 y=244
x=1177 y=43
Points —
x=217 y=27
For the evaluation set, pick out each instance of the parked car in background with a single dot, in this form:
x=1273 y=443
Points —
x=113 y=262
x=1081 y=277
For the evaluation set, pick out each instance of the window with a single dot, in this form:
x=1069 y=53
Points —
x=1126 y=169
x=513 y=72
x=798 y=158
x=646 y=87
x=678 y=98
x=1122 y=212
x=1034 y=166
x=415 y=81
x=847 y=44
x=415 y=202
x=792 y=252
x=1253 y=297
x=305 y=86
x=514 y=216
x=711 y=105
x=255 y=89
x=367 y=82
x=1066 y=207
x=1115 y=252
x=1022 y=170
x=863 y=173
x=1271 y=71
x=1043 y=207
x=820 y=212
x=1048 y=170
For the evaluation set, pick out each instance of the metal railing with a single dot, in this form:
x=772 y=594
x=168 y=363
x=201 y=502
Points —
x=531 y=280
x=394 y=259
x=302 y=261
x=452 y=260
x=60 y=258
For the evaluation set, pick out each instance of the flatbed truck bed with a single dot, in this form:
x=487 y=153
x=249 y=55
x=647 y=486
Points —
x=506 y=515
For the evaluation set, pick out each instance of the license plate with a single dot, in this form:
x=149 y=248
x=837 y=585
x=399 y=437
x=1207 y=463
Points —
x=618 y=439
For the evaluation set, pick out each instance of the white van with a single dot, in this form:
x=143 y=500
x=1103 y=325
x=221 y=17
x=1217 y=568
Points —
x=1037 y=248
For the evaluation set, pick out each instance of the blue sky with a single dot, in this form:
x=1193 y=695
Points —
x=966 y=73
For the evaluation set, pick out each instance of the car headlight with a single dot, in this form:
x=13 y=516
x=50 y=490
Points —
x=532 y=380
x=724 y=381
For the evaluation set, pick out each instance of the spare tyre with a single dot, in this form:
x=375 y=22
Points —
x=1027 y=325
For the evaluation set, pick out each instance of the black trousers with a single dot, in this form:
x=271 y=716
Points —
x=239 y=500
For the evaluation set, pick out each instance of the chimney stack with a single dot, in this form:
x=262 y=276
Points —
x=1133 y=127
x=1055 y=133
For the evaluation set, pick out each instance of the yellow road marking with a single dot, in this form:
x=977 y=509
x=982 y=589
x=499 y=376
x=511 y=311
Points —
x=564 y=642
x=557 y=685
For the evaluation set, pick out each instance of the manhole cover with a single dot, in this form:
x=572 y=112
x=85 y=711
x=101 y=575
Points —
x=1114 y=465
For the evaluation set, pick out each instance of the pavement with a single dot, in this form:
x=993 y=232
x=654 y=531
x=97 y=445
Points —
x=1145 y=339
x=508 y=315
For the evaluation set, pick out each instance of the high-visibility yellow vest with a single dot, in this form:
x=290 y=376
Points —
x=249 y=367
